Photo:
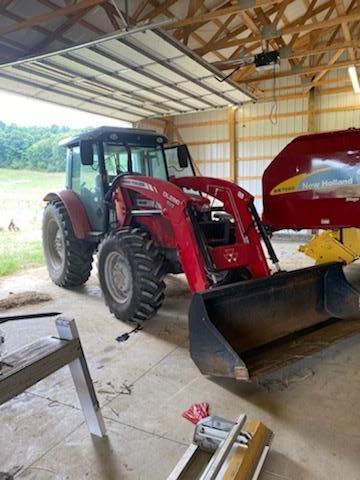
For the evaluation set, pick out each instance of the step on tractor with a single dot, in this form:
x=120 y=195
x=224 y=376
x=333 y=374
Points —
x=140 y=206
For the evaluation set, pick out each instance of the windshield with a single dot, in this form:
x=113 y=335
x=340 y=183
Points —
x=116 y=158
x=148 y=161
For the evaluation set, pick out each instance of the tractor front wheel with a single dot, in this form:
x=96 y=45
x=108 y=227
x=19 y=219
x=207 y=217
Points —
x=68 y=259
x=131 y=273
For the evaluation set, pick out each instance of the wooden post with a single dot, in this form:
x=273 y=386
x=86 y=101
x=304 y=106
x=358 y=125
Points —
x=311 y=111
x=232 y=143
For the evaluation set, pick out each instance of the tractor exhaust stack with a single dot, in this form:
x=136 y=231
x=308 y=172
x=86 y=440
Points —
x=249 y=329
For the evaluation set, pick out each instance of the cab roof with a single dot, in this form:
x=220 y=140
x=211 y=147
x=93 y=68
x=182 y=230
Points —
x=118 y=135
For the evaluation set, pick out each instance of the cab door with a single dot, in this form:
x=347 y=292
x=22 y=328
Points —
x=86 y=182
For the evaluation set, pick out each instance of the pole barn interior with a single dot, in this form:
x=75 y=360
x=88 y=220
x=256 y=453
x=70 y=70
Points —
x=185 y=69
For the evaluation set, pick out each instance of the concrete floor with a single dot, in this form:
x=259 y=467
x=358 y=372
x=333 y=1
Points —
x=313 y=410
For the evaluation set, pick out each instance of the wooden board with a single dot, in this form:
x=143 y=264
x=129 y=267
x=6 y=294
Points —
x=243 y=462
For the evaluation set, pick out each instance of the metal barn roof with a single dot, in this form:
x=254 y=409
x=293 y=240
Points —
x=141 y=75
x=174 y=68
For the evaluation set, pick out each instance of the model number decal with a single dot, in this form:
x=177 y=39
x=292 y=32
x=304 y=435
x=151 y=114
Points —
x=171 y=199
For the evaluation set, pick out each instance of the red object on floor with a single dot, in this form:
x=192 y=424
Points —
x=196 y=412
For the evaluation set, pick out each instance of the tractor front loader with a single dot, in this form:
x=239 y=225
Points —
x=146 y=212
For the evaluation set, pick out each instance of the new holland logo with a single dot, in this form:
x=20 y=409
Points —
x=231 y=255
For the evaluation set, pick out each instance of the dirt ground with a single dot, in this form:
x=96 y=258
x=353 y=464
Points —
x=145 y=383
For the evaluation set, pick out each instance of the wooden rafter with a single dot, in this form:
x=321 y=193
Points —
x=305 y=70
x=112 y=15
x=223 y=28
x=193 y=7
x=70 y=22
x=242 y=27
x=140 y=8
x=230 y=42
x=47 y=17
x=338 y=54
x=196 y=36
x=210 y=46
x=89 y=26
x=181 y=31
x=354 y=16
x=340 y=8
x=221 y=12
x=304 y=52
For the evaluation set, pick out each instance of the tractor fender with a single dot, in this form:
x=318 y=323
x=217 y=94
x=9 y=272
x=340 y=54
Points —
x=75 y=209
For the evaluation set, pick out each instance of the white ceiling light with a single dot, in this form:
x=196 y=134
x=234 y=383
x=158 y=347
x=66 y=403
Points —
x=354 y=78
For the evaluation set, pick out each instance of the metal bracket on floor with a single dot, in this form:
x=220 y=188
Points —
x=36 y=361
x=225 y=450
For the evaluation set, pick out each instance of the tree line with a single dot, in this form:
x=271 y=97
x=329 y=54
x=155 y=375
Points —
x=33 y=148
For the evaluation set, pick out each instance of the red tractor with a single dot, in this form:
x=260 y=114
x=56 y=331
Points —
x=142 y=207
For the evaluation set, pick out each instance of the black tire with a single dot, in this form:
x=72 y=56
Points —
x=131 y=273
x=69 y=260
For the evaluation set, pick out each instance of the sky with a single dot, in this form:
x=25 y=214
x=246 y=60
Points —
x=27 y=111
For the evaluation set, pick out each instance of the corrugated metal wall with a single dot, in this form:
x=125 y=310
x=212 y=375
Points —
x=261 y=133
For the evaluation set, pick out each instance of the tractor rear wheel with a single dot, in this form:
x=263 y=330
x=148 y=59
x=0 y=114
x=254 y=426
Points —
x=68 y=259
x=131 y=273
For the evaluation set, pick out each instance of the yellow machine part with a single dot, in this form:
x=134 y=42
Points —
x=334 y=246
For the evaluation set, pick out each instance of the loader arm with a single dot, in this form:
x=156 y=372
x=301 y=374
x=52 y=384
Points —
x=174 y=205
x=247 y=251
x=200 y=262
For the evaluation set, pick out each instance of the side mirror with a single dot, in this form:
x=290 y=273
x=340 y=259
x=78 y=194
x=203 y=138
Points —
x=183 y=156
x=86 y=152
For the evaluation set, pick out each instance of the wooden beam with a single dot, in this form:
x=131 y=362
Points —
x=289 y=30
x=229 y=35
x=47 y=17
x=193 y=7
x=158 y=10
x=340 y=8
x=249 y=22
x=320 y=48
x=207 y=17
x=232 y=142
x=82 y=22
x=140 y=8
x=196 y=36
x=335 y=32
x=223 y=27
x=306 y=70
x=179 y=32
x=331 y=62
x=341 y=80
x=46 y=42
x=222 y=43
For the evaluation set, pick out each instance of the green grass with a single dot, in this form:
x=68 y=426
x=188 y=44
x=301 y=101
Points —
x=17 y=252
x=21 y=194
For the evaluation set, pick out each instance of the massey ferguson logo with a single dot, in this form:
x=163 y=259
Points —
x=231 y=255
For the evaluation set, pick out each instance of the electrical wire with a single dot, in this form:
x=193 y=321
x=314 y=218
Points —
x=222 y=79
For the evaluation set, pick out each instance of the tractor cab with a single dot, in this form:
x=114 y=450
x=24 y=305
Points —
x=94 y=159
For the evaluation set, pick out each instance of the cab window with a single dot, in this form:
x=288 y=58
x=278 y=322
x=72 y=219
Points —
x=116 y=159
x=148 y=161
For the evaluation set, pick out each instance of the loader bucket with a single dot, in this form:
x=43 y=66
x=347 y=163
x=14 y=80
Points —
x=248 y=329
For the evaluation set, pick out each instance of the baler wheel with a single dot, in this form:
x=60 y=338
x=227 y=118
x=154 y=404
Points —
x=131 y=273
x=69 y=260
